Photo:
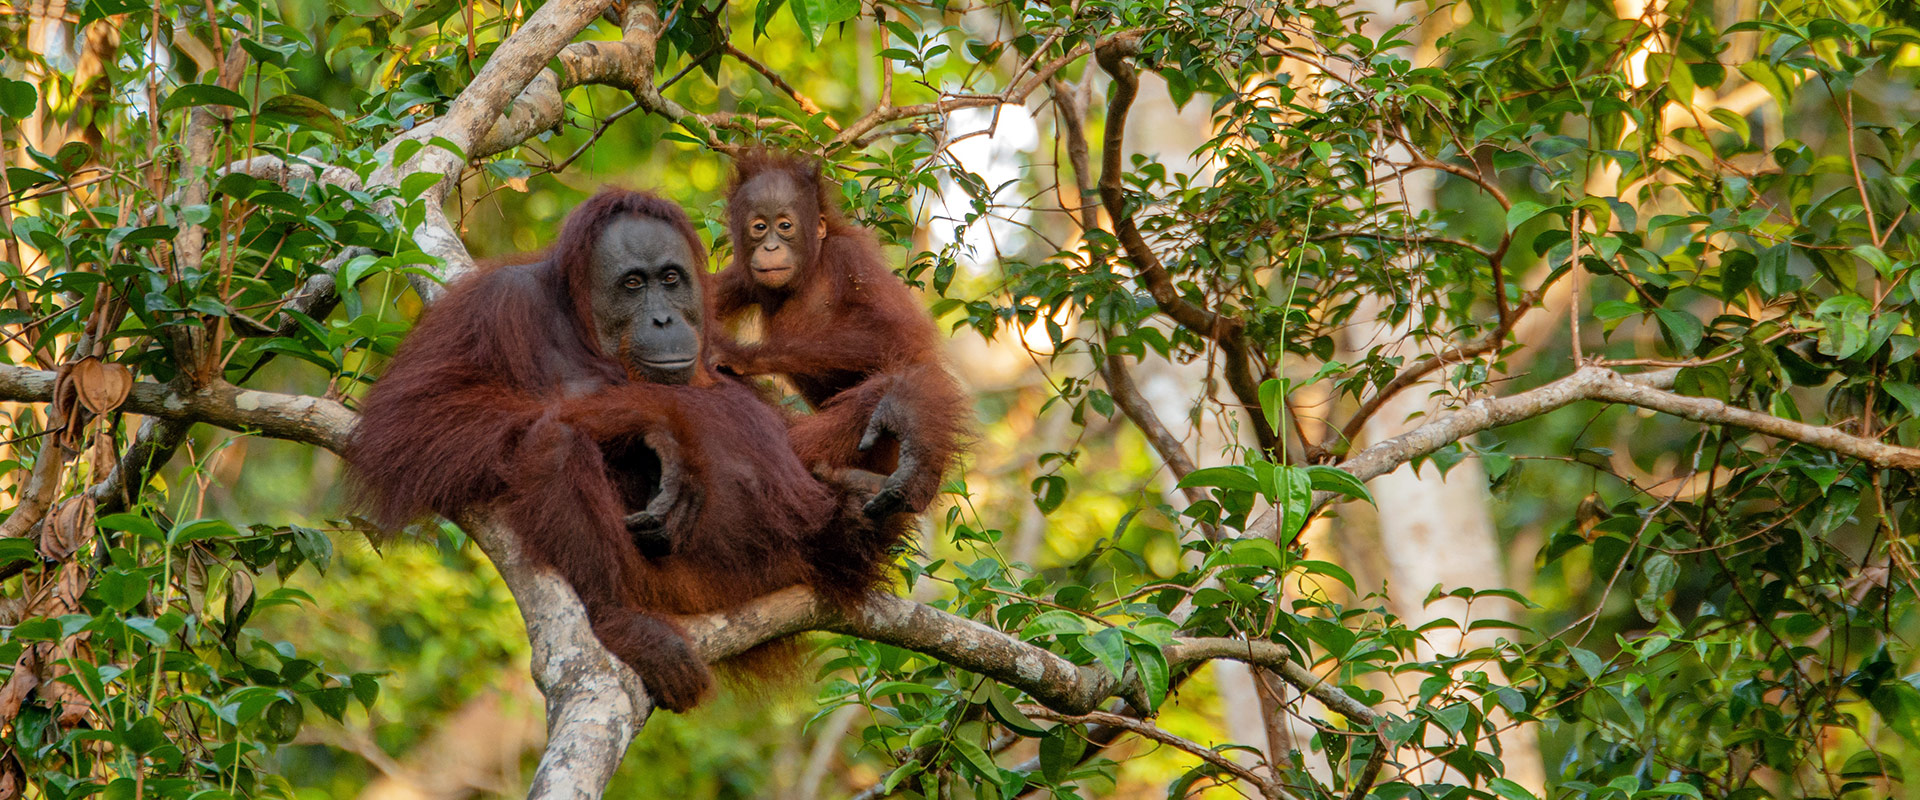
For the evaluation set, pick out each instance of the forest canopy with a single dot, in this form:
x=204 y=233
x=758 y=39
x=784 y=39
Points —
x=1452 y=398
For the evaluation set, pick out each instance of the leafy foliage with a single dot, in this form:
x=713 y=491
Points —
x=1714 y=193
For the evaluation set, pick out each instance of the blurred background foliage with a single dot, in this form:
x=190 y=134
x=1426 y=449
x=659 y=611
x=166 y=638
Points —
x=1696 y=612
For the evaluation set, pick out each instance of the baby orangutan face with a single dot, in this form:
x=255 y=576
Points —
x=778 y=227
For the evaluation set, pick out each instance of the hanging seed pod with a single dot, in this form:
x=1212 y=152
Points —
x=102 y=385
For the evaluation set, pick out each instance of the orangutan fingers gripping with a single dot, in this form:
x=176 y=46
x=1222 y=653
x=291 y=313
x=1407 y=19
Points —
x=891 y=419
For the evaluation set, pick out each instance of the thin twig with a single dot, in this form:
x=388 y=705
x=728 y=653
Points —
x=1148 y=730
x=806 y=103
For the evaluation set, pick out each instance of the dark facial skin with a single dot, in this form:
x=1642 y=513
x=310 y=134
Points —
x=646 y=300
x=781 y=227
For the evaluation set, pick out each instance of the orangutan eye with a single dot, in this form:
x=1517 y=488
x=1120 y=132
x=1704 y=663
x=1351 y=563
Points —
x=670 y=277
x=786 y=225
x=634 y=282
x=760 y=227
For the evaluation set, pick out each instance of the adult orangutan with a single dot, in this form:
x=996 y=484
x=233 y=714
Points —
x=843 y=328
x=574 y=391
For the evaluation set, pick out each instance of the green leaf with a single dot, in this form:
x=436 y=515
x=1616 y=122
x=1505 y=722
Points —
x=1273 y=397
x=303 y=111
x=1771 y=274
x=1101 y=401
x=1235 y=477
x=891 y=688
x=1249 y=552
x=1151 y=665
x=1683 y=327
x=357 y=269
x=18 y=549
x=412 y=186
x=1003 y=709
x=1589 y=663
x=121 y=590
x=195 y=530
x=132 y=523
x=1898 y=704
x=149 y=629
x=1844 y=320
x=145 y=736
x=1876 y=258
x=366 y=689
x=448 y=145
x=1328 y=568
x=1054 y=622
x=1610 y=310
x=1658 y=575
x=1049 y=491
x=1508 y=790
x=332 y=702
x=1060 y=752
x=1292 y=497
x=977 y=758
x=1521 y=213
x=71 y=157
x=1734 y=121
x=1674 y=75
x=1906 y=393
x=900 y=773
x=1179 y=89
x=1326 y=478
x=803 y=14
x=20 y=178
x=1109 y=646
x=18 y=99
x=202 y=94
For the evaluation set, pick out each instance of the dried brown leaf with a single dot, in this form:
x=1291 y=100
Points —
x=64 y=413
x=67 y=528
x=18 y=688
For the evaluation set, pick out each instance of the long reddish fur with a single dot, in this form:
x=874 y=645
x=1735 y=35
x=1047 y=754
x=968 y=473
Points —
x=481 y=405
x=847 y=332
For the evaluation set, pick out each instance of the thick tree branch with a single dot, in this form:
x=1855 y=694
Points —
x=625 y=64
x=1646 y=390
x=1613 y=388
x=1047 y=677
x=595 y=706
x=1275 y=657
x=1113 y=54
x=1113 y=368
x=293 y=417
x=292 y=175
x=514 y=65
x=468 y=121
